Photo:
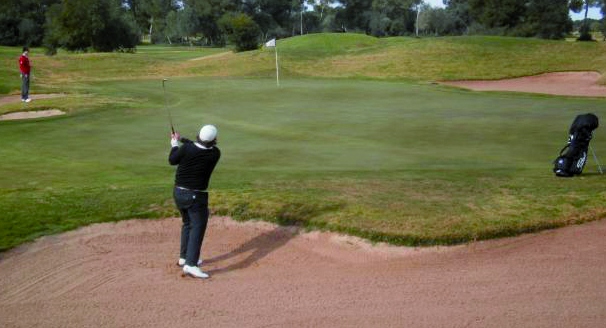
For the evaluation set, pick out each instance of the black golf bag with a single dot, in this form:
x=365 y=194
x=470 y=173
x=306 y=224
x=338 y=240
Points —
x=573 y=156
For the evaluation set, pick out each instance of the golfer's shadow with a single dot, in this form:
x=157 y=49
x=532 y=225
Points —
x=259 y=246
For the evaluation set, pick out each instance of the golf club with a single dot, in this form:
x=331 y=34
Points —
x=170 y=119
x=596 y=160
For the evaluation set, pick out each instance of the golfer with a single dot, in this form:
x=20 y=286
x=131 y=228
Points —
x=196 y=162
x=25 y=69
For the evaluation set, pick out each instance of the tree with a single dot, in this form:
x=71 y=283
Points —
x=354 y=15
x=22 y=21
x=394 y=17
x=312 y=22
x=274 y=17
x=98 y=24
x=579 y=5
x=459 y=13
x=530 y=18
x=418 y=6
x=209 y=12
x=181 y=25
x=9 y=29
x=548 y=19
x=325 y=13
x=321 y=6
x=150 y=15
x=498 y=13
x=243 y=31
x=434 y=21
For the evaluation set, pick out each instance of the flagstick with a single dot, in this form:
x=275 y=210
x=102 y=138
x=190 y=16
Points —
x=277 y=67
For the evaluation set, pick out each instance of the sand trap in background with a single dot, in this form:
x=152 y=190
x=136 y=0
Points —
x=32 y=114
x=583 y=84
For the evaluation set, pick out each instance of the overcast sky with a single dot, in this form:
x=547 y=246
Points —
x=593 y=12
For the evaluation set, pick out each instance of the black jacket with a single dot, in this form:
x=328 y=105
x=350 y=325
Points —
x=195 y=165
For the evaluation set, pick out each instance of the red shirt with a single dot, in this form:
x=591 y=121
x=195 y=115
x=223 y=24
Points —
x=24 y=64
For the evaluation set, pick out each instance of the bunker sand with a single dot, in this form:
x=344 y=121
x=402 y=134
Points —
x=125 y=275
x=30 y=114
x=582 y=84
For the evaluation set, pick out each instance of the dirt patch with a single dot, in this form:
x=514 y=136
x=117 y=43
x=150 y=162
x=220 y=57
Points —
x=31 y=114
x=583 y=84
x=125 y=275
x=221 y=54
x=15 y=99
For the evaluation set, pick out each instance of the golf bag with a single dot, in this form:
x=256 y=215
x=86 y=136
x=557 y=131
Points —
x=573 y=156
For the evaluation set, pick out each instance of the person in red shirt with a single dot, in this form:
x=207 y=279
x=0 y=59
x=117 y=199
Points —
x=25 y=69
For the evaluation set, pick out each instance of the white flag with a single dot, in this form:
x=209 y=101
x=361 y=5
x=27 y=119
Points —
x=271 y=43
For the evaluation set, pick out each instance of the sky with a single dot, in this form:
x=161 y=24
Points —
x=593 y=12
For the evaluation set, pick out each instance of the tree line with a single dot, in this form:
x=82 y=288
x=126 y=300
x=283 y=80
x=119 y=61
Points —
x=109 y=25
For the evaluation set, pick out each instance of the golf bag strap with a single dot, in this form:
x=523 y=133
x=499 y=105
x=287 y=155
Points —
x=562 y=151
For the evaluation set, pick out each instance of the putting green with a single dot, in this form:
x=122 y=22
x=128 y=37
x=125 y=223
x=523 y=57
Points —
x=400 y=162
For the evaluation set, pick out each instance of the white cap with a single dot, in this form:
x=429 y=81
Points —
x=208 y=133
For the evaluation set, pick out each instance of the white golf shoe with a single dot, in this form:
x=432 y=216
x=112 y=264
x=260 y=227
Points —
x=181 y=262
x=194 y=272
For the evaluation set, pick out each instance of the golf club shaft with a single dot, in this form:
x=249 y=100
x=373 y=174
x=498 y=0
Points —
x=170 y=119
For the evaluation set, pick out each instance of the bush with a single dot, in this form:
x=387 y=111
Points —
x=9 y=30
x=118 y=34
x=242 y=31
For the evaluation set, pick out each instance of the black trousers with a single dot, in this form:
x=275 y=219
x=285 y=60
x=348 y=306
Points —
x=193 y=206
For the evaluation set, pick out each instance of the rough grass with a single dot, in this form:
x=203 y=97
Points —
x=426 y=59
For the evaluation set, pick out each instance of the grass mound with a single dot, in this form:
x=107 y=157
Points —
x=397 y=58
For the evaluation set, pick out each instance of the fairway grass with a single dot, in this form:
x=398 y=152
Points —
x=357 y=148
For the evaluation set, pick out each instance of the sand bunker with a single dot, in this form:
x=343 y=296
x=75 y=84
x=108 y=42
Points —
x=32 y=114
x=583 y=84
x=125 y=275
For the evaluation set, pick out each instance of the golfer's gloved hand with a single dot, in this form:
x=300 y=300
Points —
x=174 y=139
